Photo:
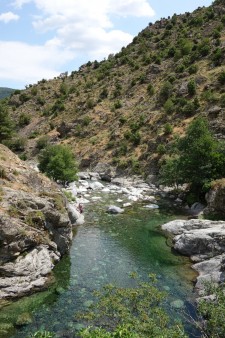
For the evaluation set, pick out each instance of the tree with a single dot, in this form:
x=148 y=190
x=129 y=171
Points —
x=6 y=124
x=58 y=162
x=199 y=158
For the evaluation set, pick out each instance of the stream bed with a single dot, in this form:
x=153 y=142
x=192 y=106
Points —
x=106 y=249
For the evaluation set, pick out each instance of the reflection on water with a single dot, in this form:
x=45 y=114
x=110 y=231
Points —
x=105 y=249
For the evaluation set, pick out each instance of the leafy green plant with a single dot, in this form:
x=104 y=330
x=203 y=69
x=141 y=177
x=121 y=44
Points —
x=24 y=119
x=69 y=196
x=213 y=312
x=191 y=86
x=42 y=334
x=130 y=313
x=42 y=142
x=198 y=158
x=58 y=162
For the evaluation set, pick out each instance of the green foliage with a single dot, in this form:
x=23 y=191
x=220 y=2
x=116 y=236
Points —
x=16 y=143
x=165 y=92
x=199 y=158
x=69 y=196
x=24 y=97
x=63 y=88
x=170 y=171
x=217 y=57
x=6 y=124
x=221 y=77
x=42 y=142
x=40 y=100
x=168 y=128
x=150 y=89
x=161 y=149
x=130 y=313
x=58 y=162
x=169 y=106
x=118 y=104
x=42 y=334
x=34 y=91
x=191 y=86
x=213 y=312
x=193 y=69
x=24 y=119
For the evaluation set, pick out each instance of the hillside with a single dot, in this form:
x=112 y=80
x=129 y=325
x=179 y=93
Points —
x=127 y=109
x=5 y=92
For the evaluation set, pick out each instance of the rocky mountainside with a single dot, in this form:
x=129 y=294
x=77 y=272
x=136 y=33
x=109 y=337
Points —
x=35 y=227
x=127 y=109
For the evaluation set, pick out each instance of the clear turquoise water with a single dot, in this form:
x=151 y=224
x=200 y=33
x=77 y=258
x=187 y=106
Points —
x=107 y=248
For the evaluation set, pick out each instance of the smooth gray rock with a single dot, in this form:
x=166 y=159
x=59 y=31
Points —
x=204 y=242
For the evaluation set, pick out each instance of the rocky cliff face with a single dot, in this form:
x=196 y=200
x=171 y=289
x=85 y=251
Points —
x=35 y=228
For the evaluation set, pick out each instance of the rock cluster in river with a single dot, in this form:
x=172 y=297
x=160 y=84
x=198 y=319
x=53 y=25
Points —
x=128 y=189
x=35 y=227
x=204 y=242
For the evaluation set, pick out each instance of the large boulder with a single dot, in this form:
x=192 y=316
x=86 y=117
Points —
x=204 y=242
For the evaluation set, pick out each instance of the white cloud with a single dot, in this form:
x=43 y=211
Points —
x=20 y=3
x=86 y=26
x=27 y=64
x=8 y=16
x=81 y=29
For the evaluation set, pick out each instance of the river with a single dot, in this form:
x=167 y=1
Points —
x=106 y=249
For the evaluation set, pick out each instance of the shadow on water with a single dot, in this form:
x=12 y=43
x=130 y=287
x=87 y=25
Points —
x=106 y=249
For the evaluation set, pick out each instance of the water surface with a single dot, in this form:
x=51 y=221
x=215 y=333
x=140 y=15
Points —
x=106 y=249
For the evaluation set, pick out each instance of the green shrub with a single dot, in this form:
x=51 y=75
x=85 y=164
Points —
x=150 y=89
x=6 y=124
x=24 y=97
x=24 y=119
x=42 y=142
x=34 y=91
x=221 y=77
x=198 y=158
x=118 y=104
x=217 y=56
x=58 y=162
x=40 y=100
x=16 y=143
x=161 y=149
x=191 y=86
x=165 y=92
x=169 y=106
x=193 y=69
x=168 y=128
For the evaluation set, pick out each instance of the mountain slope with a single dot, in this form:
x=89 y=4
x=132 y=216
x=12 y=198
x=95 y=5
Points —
x=5 y=92
x=126 y=110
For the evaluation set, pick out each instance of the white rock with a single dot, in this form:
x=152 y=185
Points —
x=125 y=205
x=106 y=190
x=96 y=185
x=151 y=206
x=113 y=209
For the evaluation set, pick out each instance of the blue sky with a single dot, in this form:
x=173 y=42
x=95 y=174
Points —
x=43 y=38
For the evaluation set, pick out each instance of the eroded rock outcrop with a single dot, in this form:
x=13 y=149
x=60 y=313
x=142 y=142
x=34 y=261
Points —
x=216 y=199
x=35 y=227
x=204 y=242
